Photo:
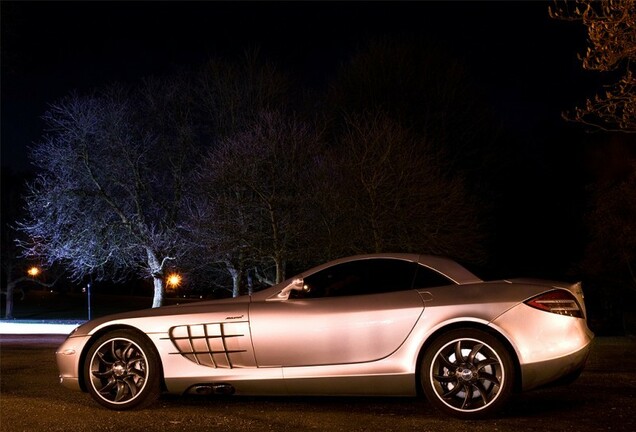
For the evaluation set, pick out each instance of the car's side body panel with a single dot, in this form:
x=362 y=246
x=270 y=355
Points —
x=336 y=330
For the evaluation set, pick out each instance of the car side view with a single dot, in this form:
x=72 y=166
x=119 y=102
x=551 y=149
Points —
x=382 y=324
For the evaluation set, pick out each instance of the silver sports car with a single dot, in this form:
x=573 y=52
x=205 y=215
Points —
x=390 y=324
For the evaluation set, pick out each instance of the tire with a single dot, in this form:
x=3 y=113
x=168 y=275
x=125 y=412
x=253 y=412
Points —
x=467 y=373
x=122 y=371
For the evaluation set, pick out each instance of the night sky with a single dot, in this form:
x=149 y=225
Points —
x=525 y=62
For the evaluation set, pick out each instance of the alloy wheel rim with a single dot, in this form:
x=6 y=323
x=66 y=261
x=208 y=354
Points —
x=118 y=371
x=467 y=375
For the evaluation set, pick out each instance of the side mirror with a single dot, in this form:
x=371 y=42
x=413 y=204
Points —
x=295 y=285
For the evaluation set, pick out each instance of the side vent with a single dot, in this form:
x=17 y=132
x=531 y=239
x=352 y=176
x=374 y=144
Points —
x=216 y=345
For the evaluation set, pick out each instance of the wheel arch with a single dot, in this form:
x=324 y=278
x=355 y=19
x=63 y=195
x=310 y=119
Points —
x=471 y=325
x=101 y=332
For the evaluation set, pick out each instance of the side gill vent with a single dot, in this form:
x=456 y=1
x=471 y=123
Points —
x=216 y=345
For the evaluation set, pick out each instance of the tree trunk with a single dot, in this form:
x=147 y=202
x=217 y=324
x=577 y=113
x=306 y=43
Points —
x=280 y=269
x=278 y=260
x=11 y=284
x=156 y=270
x=236 y=279
x=9 y=301
x=157 y=299
x=250 y=283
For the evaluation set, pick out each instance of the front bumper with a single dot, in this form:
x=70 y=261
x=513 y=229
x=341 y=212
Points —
x=68 y=357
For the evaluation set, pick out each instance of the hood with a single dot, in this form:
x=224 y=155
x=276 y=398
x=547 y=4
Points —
x=155 y=320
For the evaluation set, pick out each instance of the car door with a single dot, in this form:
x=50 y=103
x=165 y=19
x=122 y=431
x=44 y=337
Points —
x=354 y=312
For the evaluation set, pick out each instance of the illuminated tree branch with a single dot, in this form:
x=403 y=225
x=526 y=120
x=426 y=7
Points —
x=109 y=193
x=611 y=37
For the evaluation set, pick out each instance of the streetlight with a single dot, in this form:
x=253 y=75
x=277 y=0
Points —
x=174 y=280
x=33 y=271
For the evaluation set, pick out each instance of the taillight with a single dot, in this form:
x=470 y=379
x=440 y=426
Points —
x=559 y=302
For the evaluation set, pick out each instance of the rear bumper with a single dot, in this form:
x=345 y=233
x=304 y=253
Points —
x=554 y=371
x=548 y=346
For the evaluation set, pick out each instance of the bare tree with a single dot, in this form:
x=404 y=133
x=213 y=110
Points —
x=232 y=97
x=609 y=259
x=108 y=194
x=611 y=37
x=612 y=247
x=256 y=187
x=232 y=94
x=429 y=96
x=395 y=193
x=15 y=273
x=429 y=91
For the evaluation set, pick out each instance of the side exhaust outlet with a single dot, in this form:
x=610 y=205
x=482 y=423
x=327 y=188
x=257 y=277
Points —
x=208 y=389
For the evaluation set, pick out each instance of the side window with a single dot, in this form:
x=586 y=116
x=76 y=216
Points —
x=427 y=278
x=371 y=276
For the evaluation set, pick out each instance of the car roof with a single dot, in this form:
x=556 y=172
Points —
x=446 y=266
x=449 y=268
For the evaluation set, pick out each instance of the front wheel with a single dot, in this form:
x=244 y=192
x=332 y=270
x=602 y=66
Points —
x=122 y=370
x=467 y=373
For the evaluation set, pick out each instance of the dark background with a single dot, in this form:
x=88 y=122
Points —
x=526 y=62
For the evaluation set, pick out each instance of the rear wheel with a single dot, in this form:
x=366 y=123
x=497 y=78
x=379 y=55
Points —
x=122 y=370
x=467 y=373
